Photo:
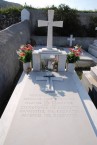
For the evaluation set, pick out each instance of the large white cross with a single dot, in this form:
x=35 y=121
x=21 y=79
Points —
x=71 y=39
x=50 y=23
x=49 y=84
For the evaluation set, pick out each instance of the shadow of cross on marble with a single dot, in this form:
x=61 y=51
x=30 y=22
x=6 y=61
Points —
x=50 y=23
x=49 y=77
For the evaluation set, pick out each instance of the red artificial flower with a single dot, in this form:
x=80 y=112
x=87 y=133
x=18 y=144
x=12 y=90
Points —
x=22 y=54
x=23 y=48
x=29 y=47
x=77 y=54
x=70 y=49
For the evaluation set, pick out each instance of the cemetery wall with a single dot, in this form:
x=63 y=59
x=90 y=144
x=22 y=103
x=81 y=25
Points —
x=10 y=41
x=85 y=17
x=42 y=15
x=36 y=15
x=62 y=41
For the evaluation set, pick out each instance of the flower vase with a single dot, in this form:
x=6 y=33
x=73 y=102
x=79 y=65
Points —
x=70 y=67
x=27 y=67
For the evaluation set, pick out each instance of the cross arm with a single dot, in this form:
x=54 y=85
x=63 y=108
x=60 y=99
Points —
x=41 y=78
x=42 y=23
x=57 y=79
x=58 y=23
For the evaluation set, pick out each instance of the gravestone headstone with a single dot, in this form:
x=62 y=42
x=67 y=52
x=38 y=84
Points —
x=71 y=39
x=50 y=24
x=50 y=50
x=25 y=15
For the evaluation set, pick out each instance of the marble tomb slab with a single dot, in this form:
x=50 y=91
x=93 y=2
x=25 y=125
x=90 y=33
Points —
x=57 y=118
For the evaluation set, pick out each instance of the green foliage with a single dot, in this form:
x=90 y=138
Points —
x=70 y=18
x=71 y=22
x=9 y=16
x=71 y=58
x=74 y=54
x=28 y=6
x=25 y=53
x=10 y=10
x=27 y=57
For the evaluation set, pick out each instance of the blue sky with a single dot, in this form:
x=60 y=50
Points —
x=78 y=4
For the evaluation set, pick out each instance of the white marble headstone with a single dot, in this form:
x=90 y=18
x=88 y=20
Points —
x=71 y=39
x=25 y=15
x=50 y=24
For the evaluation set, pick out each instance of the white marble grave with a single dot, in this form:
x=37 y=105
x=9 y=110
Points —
x=49 y=111
x=71 y=39
x=51 y=118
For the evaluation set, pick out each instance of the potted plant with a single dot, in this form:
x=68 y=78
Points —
x=25 y=55
x=72 y=57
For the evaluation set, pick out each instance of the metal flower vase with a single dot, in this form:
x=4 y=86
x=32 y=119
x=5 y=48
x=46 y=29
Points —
x=27 y=67
x=70 y=67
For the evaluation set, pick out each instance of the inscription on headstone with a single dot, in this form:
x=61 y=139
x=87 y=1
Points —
x=41 y=106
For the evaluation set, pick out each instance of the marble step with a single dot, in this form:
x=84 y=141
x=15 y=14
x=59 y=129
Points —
x=93 y=52
x=95 y=42
x=88 y=80
x=93 y=72
x=85 y=81
x=90 y=85
x=92 y=46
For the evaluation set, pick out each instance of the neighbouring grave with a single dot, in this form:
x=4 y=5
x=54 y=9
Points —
x=89 y=80
x=93 y=48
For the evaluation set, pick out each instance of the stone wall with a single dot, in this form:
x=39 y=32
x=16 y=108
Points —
x=62 y=41
x=85 y=17
x=36 y=15
x=42 y=15
x=10 y=41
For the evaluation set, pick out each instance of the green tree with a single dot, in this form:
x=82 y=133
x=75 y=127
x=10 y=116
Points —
x=70 y=18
